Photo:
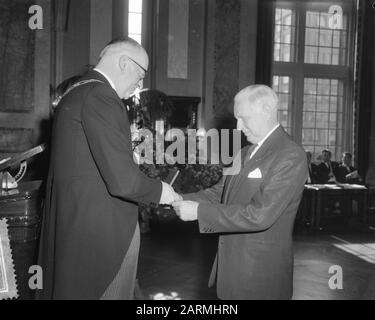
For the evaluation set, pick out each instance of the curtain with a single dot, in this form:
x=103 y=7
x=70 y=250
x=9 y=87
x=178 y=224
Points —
x=365 y=102
x=265 y=39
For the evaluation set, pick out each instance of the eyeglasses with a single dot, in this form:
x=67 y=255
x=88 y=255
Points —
x=144 y=70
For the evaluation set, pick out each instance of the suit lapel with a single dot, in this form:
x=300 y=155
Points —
x=231 y=181
x=250 y=165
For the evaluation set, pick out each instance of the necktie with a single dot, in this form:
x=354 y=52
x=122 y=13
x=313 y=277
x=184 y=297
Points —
x=250 y=151
x=231 y=180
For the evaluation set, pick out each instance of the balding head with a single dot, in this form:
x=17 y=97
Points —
x=125 y=62
x=255 y=108
x=126 y=46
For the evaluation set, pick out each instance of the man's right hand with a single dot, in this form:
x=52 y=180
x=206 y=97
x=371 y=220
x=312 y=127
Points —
x=168 y=195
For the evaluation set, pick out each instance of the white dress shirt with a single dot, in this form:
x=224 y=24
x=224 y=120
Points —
x=259 y=144
x=108 y=78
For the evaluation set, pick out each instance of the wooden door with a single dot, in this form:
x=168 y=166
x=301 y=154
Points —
x=24 y=77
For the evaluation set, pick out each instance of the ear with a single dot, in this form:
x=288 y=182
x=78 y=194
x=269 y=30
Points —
x=123 y=62
x=267 y=109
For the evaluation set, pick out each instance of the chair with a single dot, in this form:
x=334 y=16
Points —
x=370 y=184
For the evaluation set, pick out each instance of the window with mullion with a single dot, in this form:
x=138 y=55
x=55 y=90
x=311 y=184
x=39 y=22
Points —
x=285 y=29
x=135 y=20
x=316 y=75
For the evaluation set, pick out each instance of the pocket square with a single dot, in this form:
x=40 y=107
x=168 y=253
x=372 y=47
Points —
x=256 y=174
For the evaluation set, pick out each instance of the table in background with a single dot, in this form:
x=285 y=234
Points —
x=316 y=197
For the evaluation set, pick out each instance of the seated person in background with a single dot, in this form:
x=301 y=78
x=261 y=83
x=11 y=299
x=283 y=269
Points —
x=326 y=169
x=345 y=172
x=313 y=170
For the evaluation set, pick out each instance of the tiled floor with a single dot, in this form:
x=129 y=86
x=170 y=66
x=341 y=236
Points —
x=176 y=258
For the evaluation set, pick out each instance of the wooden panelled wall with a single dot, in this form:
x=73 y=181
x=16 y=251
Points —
x=24 y=76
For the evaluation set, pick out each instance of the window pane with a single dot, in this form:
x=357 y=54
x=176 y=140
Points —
x=339 y=120
x=321 y=137
x=333 y=104
x=135 y=6
x=308 y=136
x=309 y=119
x=325 y=38
x=325 y=55
x=309 y=102
x=284 y=39
x=135 y=23
x=321 y=114
x=340 y=104
x=283 y=88
x=342 y=60
x=335 y=56
x=286 y=52
x=343 y=39
x=320 y=40
x=284 y=85
x=334 y=85
x=283 y=118
x=323 y=86
x=286 y=17
x=312 y=19
x=276 y=54
x=286 y=33
x=322 y=103
x=322 y=120
x=323 y=20
x=277 y=34
x=333 y=120
x=332 y=138
x=312 y=36
x=284 y=100
x=311 y=54
x=276 y=83
x=278 y=16
x=336 y=38
x=310 y=86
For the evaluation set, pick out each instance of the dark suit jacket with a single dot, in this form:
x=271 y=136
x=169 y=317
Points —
x=342 y=171
x=255 y=218
x=92 y=193
x=323 y=172
x=313 y=172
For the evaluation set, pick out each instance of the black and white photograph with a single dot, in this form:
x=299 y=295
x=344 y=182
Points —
x=201 y=151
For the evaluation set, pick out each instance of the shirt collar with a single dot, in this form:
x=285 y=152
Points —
x=267 y=136
x=108 y=78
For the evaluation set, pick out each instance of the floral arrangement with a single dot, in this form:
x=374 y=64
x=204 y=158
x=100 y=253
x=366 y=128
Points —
x=150 y=106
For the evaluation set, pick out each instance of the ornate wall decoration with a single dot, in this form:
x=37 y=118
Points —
x=227 y=46
x=17 y=47
x=17 y=72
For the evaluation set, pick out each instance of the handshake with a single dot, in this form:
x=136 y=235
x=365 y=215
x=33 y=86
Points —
x=185 y=210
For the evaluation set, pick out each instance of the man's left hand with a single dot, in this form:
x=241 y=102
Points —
x=186 y=210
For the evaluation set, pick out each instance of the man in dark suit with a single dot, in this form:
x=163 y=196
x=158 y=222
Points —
x=345 y=172
x=90 y=236
x=326 y=169
x=254 y=211
x=313 y=171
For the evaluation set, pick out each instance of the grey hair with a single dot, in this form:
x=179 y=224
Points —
x=120 y=45
x=259 y=93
